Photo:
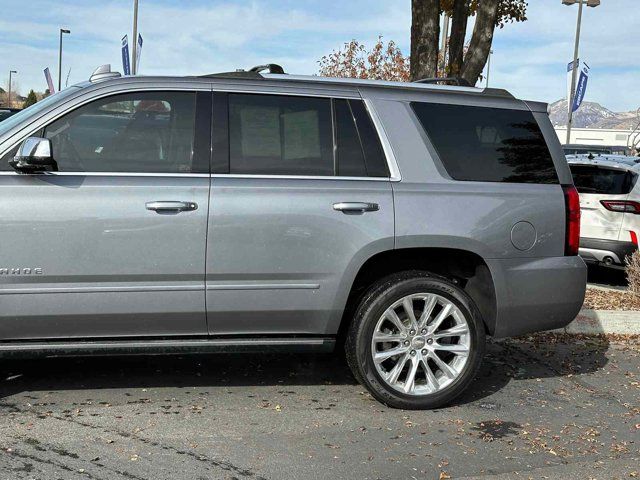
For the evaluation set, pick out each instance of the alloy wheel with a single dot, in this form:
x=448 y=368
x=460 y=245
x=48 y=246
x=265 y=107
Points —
x=421 y=344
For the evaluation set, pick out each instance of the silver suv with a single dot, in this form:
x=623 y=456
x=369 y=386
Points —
x=248 y=211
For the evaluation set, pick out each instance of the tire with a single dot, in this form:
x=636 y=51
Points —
x=462 y=354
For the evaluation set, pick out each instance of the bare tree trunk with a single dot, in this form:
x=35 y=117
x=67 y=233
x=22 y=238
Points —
x=481 y=40
x=425 y=30
x=460 y=15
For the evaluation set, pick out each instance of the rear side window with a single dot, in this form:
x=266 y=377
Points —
x=298 y=136
x=280 y=135
x=602 y=180
x=487 y=144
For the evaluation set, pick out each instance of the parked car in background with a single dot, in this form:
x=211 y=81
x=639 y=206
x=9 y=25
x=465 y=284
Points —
x=610 y=204
x=7 y=112
x=579 y=149
x=248 y=211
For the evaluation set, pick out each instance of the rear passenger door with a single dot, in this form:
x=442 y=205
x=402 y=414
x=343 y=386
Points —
x=300 y=197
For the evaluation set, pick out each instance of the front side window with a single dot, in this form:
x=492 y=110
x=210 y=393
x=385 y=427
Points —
x=146 y=132
x=487 y=144
x=280 y=135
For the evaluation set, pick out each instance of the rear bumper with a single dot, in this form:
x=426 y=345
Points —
x=535 y=294
x=611 y=253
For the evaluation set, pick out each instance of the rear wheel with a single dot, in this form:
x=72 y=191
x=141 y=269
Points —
x=416 y=341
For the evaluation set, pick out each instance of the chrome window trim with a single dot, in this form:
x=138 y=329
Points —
x=394 y=170
x=194 y=175
x=106 y=174
x=279 y=90
x=299 y=177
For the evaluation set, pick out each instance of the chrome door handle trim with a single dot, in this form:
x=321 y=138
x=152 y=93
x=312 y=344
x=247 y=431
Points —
x=171 y=206
x=356 y=207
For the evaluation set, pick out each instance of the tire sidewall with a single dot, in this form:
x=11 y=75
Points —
x=372 y=308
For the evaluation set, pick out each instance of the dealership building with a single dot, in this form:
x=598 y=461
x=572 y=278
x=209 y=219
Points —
x=599 y=136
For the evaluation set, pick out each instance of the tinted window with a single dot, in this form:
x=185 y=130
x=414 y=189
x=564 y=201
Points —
x=374 y=155
x=349 y=154
x=487 y=144
x=142 y=132
x=280 y=135
x=607 y=181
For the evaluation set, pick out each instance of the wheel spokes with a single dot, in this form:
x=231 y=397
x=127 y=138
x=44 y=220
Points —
x=458 y=330
x=407 y=304
x=388 y=337
x=429 y=304
x=444 y=313
x=409 y=382
x=431 y=378
x=380 y=357
x=458 y=349
x=397 y=369
x=444 y=366
x=392 y=316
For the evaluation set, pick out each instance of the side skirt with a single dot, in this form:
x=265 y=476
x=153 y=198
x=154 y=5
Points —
x=57 y=348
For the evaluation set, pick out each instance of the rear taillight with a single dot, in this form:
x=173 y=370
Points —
x=572 y=207
x=634 y=237
x=622 y=206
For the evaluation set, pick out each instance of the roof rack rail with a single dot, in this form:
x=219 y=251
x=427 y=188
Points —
x=459 y=81
x=236 y=74
x=252 y=73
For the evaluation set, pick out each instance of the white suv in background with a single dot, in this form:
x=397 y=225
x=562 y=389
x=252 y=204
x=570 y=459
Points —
x=610 y=204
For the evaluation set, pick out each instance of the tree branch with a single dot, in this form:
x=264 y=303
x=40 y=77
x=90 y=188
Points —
x=459 y=18
x=481 y=40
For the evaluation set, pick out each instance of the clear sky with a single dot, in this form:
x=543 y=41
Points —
x=205 y=36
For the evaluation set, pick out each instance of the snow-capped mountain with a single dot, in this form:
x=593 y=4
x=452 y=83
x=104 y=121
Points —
x=593 y=115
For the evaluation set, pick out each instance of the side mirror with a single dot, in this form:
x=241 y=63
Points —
x=34 y=155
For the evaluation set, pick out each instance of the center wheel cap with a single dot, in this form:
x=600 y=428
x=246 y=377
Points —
x=418 y=342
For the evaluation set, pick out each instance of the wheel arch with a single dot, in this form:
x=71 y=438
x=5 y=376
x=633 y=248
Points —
x=463 y=267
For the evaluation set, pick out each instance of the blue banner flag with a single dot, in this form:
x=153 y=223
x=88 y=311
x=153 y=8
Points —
x=138 y=53
x=125 y=56
x=581 y=87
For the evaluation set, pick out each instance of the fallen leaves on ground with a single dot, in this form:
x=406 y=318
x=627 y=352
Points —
x=598 y=299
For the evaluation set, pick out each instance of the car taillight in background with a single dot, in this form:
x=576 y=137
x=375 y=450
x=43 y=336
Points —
x=622 y=206
x=572 y=206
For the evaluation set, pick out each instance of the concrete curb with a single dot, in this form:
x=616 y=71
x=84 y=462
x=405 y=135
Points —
x=592 y=322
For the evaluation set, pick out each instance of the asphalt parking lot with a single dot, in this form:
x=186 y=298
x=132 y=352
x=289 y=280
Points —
x=543 y=407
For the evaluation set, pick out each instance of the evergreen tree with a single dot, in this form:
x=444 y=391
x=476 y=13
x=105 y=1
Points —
x=31 y=99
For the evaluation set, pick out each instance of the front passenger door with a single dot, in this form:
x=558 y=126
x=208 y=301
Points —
x=113 y=243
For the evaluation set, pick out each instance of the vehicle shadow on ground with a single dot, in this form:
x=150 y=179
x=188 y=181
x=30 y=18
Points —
x=504 y=362
x=609 y=277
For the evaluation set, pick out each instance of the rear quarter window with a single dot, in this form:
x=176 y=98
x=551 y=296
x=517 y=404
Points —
x=602 y=180
x=487 y=144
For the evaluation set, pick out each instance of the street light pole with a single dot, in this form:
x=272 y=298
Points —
x=11 y=72
x=135 y=38
x=444 y=44
x=574 y=73
x=62 y=30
